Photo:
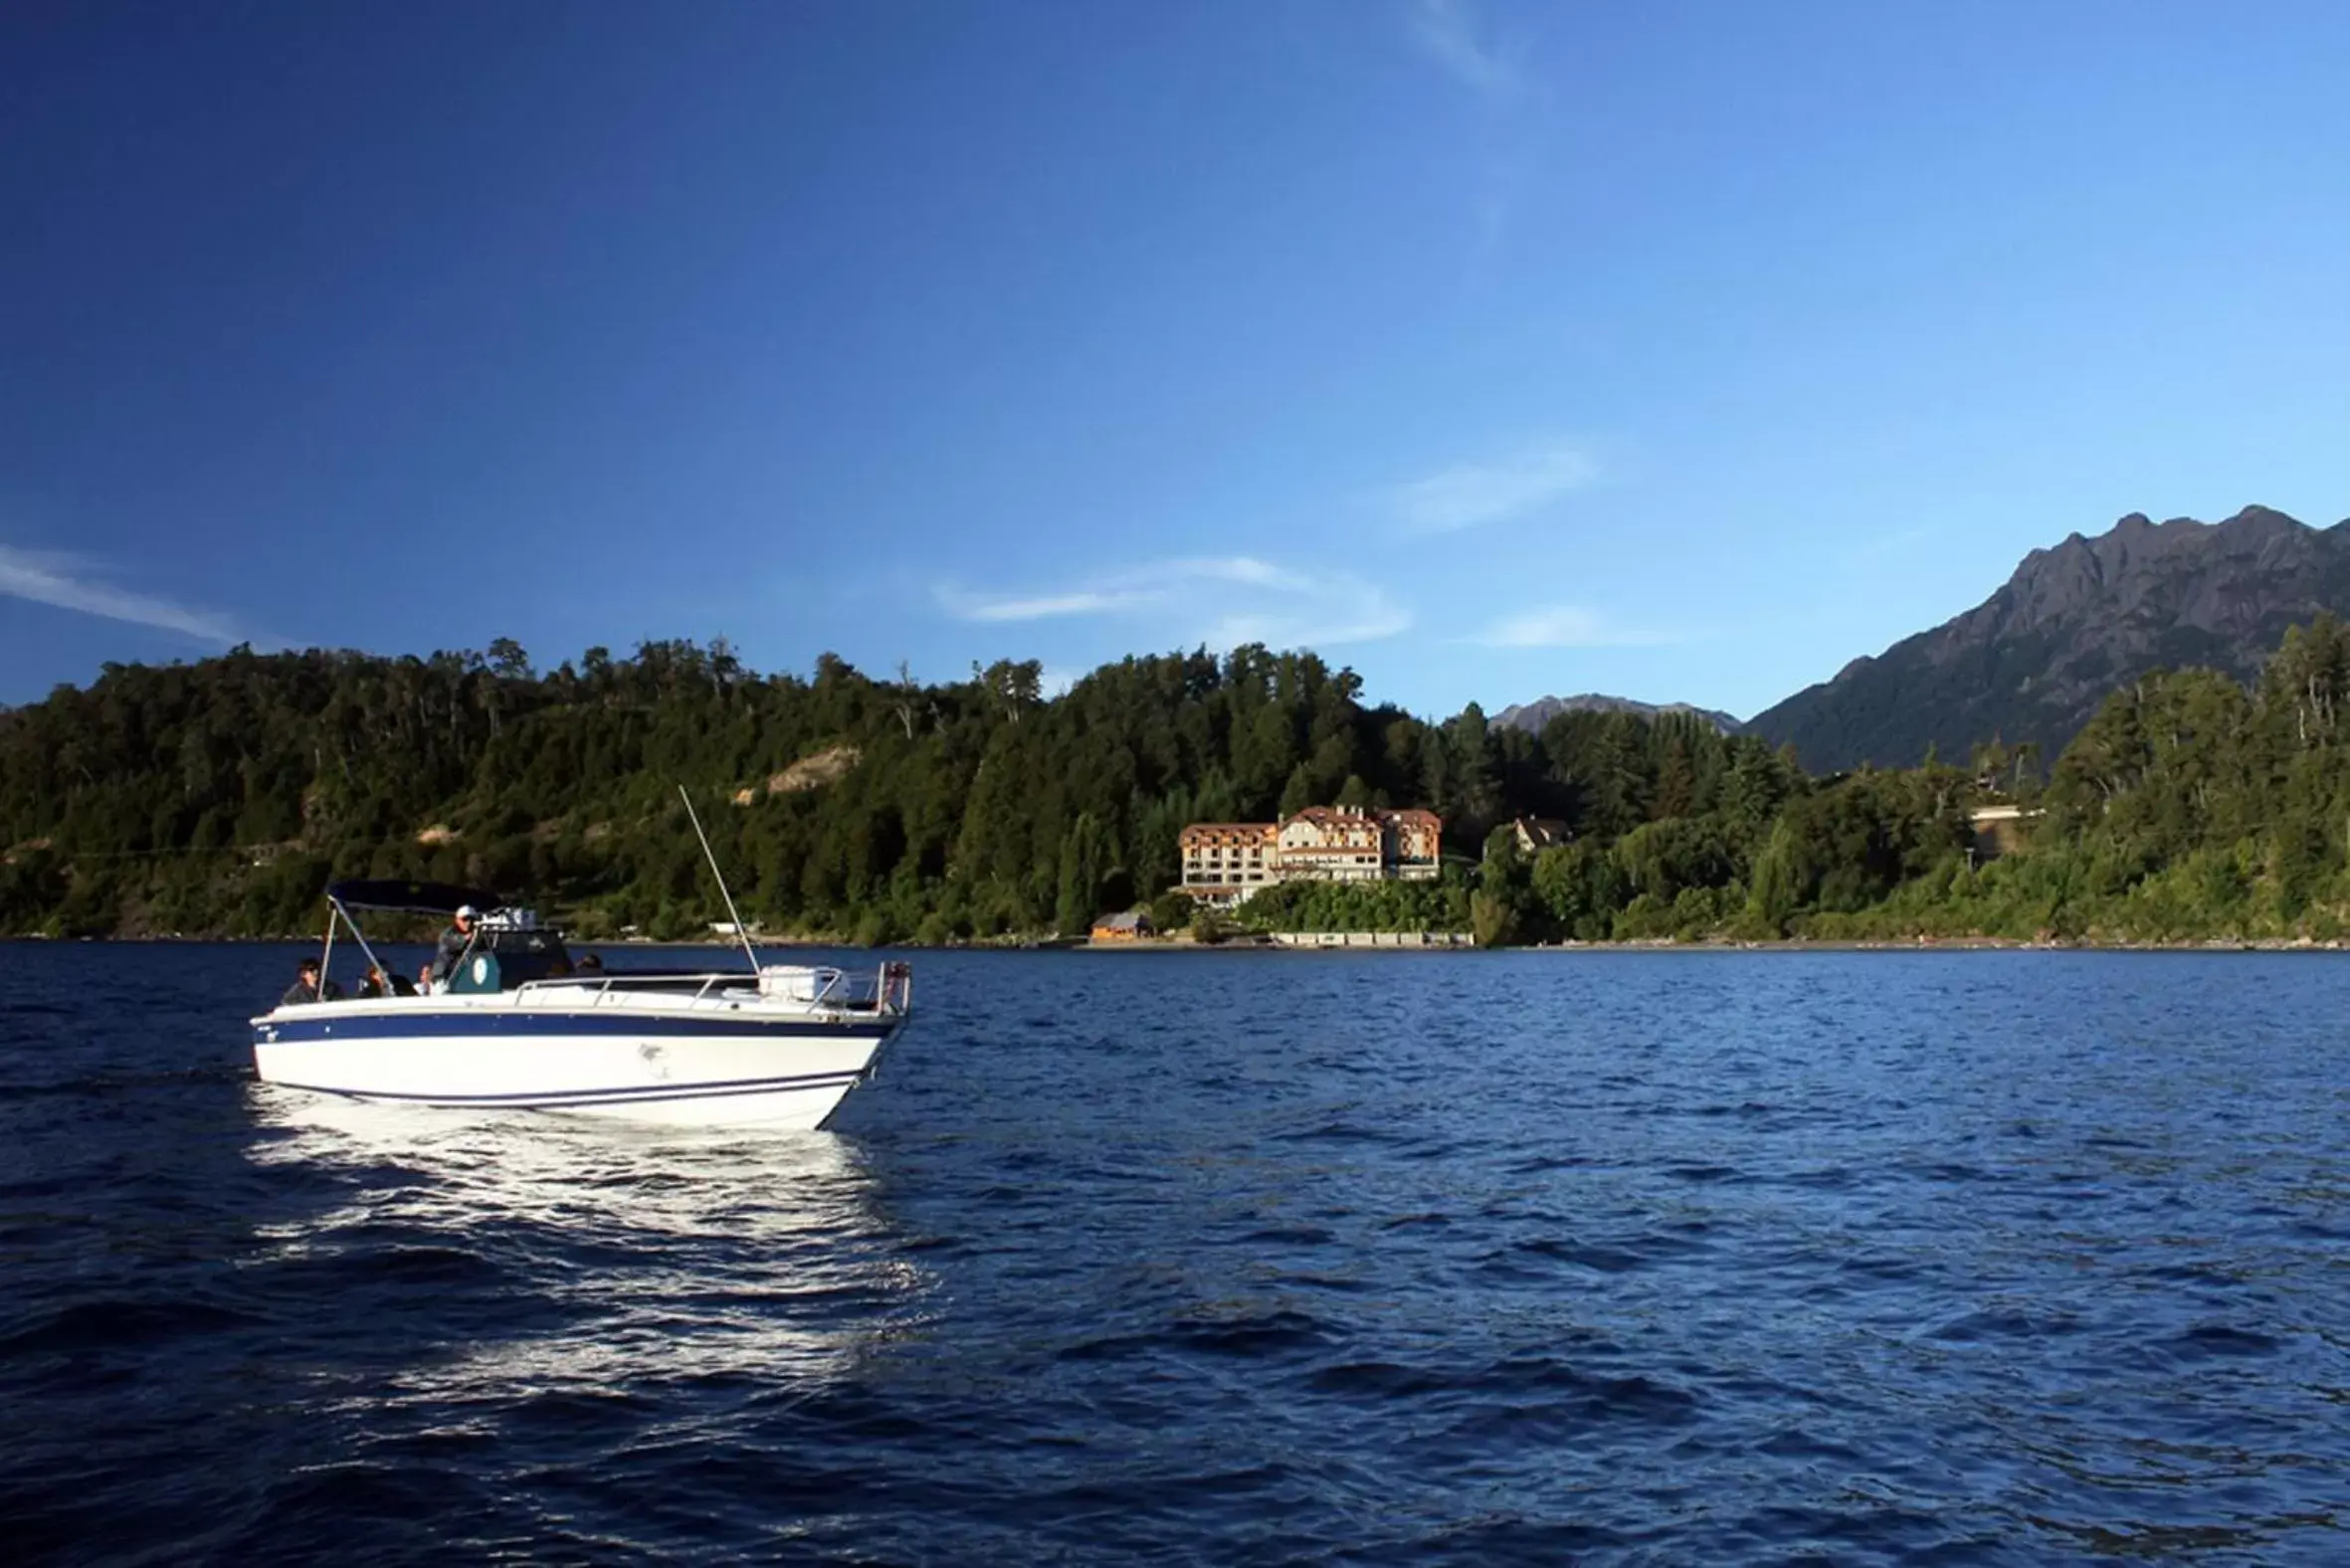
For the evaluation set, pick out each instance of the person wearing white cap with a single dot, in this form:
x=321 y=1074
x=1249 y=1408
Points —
x=454 y=943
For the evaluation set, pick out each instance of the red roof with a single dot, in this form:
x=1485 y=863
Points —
x=1260 y=829
x=1323 y=817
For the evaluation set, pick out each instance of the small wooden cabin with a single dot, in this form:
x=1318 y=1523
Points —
x=1133 y=926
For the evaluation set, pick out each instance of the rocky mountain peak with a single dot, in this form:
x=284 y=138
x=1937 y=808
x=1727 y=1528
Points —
x=1532 y=716
x=2034 y=661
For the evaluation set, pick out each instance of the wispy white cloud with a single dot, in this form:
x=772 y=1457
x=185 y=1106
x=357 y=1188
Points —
x=1563 y=626
x=1494 y=76
x=1469 y=493
x=69 y=582
x=1221 y=600
x=1447 y=31
x=980 y=607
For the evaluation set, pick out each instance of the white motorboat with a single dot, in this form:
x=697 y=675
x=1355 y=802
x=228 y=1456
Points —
x=514 y=1026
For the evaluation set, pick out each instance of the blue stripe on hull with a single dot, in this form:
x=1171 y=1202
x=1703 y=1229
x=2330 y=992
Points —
x=567 y=1098
x=521 y=1025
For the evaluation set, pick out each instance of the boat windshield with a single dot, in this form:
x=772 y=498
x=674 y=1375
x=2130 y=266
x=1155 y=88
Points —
x=523 y=956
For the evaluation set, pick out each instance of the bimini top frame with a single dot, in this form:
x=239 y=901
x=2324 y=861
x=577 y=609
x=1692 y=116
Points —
x=400 y=897
x=411 y=898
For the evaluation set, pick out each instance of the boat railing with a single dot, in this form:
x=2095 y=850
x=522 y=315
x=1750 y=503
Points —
x=602 y=988
x=889 y=990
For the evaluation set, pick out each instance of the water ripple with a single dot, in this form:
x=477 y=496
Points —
x=1251 y=1258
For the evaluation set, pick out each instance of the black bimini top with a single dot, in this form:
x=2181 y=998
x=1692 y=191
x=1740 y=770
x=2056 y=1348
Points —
x=411 y=898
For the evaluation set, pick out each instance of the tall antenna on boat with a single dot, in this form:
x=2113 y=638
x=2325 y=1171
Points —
x=708 y=853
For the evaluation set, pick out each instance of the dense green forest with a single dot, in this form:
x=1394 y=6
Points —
x=219 y=797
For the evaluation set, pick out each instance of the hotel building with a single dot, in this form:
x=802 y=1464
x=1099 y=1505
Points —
x=1224 y=863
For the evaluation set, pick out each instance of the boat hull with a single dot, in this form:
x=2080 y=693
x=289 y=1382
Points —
x=685 y=1071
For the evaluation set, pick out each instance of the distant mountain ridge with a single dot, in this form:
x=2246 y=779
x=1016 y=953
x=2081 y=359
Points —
x=2036 y=660
x=1531 y=717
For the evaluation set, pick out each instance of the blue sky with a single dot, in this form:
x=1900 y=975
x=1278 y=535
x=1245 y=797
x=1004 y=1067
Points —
x=1682 y=351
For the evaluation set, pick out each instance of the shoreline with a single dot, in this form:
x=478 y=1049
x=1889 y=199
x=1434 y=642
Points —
x=1785 y=944
x=1890 y=944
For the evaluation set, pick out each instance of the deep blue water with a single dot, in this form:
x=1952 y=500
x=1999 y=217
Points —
x=1966 y=1258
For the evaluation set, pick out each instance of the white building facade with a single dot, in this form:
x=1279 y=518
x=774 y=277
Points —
x=1225 y=863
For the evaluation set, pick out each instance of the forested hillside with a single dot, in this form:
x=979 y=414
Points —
x=219 y=797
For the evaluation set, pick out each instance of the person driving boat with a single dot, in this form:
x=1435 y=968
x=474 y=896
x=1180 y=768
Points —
x=454 y=942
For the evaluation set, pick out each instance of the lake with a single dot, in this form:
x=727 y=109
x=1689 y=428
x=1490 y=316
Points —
x=1595 y=1256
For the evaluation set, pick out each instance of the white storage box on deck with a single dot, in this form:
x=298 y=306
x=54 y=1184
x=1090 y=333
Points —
x=797 y=982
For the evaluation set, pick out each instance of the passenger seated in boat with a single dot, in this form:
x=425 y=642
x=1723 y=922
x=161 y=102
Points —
x=379 y=984
x=424 y=978
x=306 y=987
x=454 y=943
x=590 y=964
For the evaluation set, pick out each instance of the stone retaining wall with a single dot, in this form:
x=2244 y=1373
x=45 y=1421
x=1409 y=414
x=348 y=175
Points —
x=1373 y=938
